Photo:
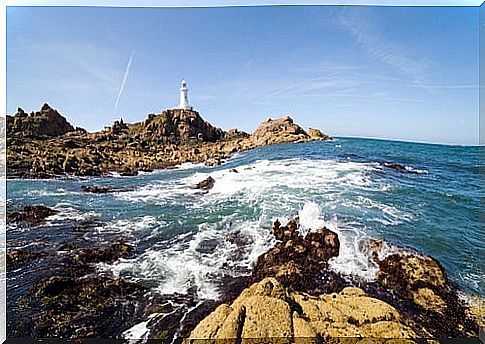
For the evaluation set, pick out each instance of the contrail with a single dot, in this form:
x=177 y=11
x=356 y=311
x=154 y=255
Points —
x=127 y=71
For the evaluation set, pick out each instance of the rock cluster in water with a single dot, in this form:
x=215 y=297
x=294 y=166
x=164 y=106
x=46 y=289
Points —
x=290 y=293
x=44 y=144
x=294 y=295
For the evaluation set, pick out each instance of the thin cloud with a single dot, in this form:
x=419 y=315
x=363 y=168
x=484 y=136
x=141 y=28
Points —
x=123 y=83
x=369 y=37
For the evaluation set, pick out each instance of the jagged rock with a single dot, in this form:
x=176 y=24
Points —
x=97 y=189
x=206 y=184
x=422 y=281
x=180 y=125
x=30 y=214
x=118 y=127
x=161 y=141
x=299 y=262
x=103 y=254
x=18 y=257
x=316 y=133
x=266 y=310
x=38 y=125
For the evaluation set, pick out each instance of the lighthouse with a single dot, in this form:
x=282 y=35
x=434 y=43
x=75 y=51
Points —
x=184 y=100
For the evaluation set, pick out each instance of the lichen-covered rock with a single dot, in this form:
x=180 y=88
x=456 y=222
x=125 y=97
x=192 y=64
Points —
x=267 y=310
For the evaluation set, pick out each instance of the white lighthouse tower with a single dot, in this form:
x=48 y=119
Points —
x=184 y=100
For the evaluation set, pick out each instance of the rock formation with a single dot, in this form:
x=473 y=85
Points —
x=177 y=125
x=30 y=214
x=294 y=295
x=267 y=311
x=38 y=125
x=300 y=262
x=45 y=145
x=279 y=131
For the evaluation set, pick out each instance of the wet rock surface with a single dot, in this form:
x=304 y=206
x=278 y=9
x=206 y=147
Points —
x=54 y=289
x=102 y=254
x=97 y=189
x=423 y=282
x=398 y=167
x=30 y=214
x=206 y=184
x=17 y=257
x=300 y=263
x=83 y=307
x=162 y=140
x=293 y=294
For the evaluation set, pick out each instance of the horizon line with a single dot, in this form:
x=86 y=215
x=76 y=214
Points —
x=410 y=141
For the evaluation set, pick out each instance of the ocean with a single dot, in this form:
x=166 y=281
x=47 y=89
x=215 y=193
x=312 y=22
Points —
x=181 y=235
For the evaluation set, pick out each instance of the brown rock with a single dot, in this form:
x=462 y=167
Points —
x=42 y=124
x=31 y=214
x=316 y=133
x=102 y=254
x=299 y=262
x=422 y=281
x=206 y=184
x=266 y=310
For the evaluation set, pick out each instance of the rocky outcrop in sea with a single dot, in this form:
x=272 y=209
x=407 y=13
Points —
x=295 y=295
x=44 y=145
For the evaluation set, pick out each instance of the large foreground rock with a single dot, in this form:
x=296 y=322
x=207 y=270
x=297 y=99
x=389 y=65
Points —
x=267 y=310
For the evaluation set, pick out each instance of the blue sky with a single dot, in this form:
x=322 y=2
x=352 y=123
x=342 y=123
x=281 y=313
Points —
x=408 y=73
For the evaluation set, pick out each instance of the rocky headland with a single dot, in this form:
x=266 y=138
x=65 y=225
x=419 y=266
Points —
x=43 y=144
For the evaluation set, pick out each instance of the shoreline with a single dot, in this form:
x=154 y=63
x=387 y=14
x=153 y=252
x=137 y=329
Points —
x=43 y=144
x=299 y=274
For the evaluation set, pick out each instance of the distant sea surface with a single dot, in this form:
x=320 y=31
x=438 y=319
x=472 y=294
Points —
x=180 y=235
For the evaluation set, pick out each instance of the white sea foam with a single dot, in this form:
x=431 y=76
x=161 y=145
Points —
x=310 y=218
x=66 y=211
x=415 y=170
x=320 y=192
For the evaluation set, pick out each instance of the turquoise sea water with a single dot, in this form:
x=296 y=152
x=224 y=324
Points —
x=181 y=235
